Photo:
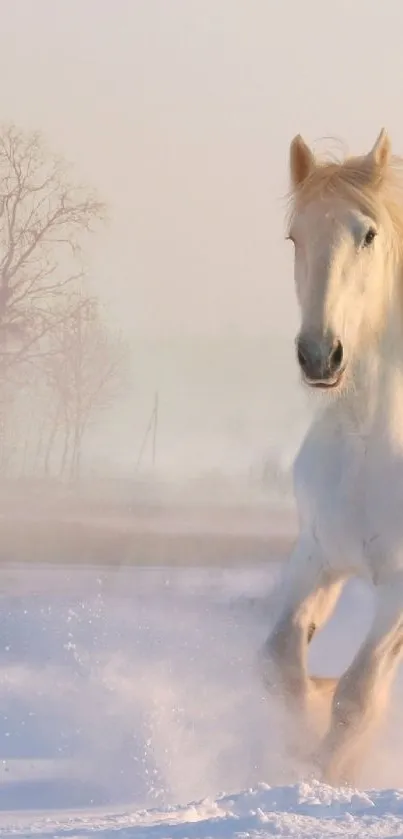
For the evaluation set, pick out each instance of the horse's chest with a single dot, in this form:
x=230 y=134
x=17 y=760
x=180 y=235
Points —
x=350 y=493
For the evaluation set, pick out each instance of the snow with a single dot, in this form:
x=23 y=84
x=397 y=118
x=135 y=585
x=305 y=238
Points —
x=313 y=810
x=130 y=706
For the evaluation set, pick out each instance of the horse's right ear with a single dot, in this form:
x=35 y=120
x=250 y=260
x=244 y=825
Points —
x=302 y=161
x=381 y=152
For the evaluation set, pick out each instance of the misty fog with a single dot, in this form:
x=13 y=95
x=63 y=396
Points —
x=178 y=116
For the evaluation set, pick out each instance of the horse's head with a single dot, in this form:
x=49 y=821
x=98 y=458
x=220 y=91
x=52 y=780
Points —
x=344 y=235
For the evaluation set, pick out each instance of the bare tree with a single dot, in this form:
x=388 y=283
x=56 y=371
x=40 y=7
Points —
x=85 y=369
x=43 y=220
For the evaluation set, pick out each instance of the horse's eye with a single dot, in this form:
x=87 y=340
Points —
x=369 y=237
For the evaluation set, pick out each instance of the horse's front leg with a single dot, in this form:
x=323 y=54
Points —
x=362 y=693
x=307 y=596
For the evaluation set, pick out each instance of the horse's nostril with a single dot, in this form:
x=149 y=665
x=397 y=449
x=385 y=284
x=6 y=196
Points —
x=336 y=357
x=320 y=358
x=302 y=360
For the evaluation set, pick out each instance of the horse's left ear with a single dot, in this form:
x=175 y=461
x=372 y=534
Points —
x=302 y=161
x=381 y=152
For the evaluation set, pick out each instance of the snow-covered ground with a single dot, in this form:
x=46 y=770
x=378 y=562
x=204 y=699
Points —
x=130 y=706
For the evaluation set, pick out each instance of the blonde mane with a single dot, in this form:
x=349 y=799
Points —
x=353 y=180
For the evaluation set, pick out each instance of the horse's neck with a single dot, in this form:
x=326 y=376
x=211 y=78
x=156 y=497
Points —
x=373 y=405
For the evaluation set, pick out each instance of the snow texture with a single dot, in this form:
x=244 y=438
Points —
x=313 y=810
x=125 y=694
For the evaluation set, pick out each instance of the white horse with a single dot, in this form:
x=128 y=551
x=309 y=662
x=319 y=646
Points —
x=346 y=224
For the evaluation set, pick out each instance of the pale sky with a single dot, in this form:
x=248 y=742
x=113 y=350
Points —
x=181 y=112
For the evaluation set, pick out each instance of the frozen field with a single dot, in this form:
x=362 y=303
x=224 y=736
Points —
x=130 y=707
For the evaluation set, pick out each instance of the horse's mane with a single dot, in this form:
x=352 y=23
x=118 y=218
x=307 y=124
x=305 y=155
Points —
x=355 y=180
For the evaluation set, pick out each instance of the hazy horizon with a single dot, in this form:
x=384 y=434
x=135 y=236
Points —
x=180 y=115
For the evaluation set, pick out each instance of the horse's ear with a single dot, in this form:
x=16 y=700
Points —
x=381 y=152
x=302 y=161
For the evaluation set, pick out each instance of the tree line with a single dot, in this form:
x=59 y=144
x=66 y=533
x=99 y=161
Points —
x=61 y=366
